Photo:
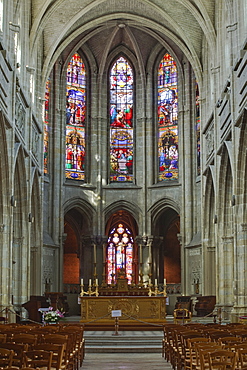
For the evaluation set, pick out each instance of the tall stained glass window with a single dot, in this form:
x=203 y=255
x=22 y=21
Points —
x=121 y=121
x=75 y=119
x=198 y=130
x=167 y=119
x=119 y=253
x=46 y=124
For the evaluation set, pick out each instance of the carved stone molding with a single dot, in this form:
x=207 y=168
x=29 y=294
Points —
x=227 y=239
x=18 y=241
x=2 y=227
x=34 y=249
x=243 y=227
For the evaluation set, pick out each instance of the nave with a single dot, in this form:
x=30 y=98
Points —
x=124 y=361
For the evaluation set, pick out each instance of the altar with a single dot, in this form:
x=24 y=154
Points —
x=140 y=305
x=136 y=310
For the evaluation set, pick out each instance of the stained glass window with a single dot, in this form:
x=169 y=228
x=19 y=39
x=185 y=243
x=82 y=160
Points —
x=121 y=121
x=119 y=253
x=167 y=119
x=75 y=119
x=198 y=130
x=46 y=124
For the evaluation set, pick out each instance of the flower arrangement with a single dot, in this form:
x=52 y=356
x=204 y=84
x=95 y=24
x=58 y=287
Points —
x=52 y=316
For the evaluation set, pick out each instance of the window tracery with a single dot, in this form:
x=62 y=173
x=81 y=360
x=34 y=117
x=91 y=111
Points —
x=167 y=119
x=119 y=253
x=75 y=119
x=121 y=121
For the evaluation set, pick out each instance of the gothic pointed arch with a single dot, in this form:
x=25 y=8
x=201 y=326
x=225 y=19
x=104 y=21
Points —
x=167 y=254
x=167 y=111
x=76 y=114
x=242 y=159
x=121 y=249
x=121 y=110
x=209 y=237
x=35 y=235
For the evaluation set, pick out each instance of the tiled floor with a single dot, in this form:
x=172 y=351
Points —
x=125 y=361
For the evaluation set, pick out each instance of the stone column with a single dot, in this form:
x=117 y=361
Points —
x=226 y=275
x=86 y=258
x=240 y=289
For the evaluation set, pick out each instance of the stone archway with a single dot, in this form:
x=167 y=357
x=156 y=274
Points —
x=167 y=226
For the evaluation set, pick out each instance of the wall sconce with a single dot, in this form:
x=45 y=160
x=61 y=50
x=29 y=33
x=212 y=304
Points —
x=13 y=201
x=30 y=217
x=215 y=219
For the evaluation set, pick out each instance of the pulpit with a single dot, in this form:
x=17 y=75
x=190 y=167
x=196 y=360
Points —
x=33 y=305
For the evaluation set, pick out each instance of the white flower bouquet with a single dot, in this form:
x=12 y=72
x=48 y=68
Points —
x=52 y=316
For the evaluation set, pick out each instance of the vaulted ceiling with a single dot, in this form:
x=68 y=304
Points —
x=142 y=26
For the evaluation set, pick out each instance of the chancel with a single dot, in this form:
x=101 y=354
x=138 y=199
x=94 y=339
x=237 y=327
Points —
x=123 y=136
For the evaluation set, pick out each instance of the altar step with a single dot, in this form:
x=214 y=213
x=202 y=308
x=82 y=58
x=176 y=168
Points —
x=124 y=342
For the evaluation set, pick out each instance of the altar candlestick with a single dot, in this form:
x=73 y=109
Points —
x=96 y=282
x=94 y=253
x=164 y=282
x=90 y=282
x=81 y=281
x=155 y=282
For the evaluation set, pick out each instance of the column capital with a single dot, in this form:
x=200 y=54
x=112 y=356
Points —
x=99 y=240
x=243 y=227
x=227 y=239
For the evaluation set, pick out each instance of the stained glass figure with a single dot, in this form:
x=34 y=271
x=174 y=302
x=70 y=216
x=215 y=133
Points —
x=75 y=119
x=198 y=130
x=121 y=121
x=167 y=119
x=119 y=253
x=46 y=124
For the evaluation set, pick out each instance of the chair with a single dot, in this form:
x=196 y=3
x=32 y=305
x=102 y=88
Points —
x=222 y=360
x=25 y=338
x=181 y=315
x=38 y=359
x=18 y=350
x=57 y=353
x=242 y=357
x=64 y=340
x=80 y=342
x=203 y=350
x=6 y=357
x=193 y=360
x=3 y=338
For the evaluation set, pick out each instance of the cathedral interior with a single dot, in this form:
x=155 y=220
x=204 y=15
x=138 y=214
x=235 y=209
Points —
x=124 y=149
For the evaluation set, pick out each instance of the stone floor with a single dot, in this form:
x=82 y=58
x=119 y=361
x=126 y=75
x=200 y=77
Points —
x=125 y=361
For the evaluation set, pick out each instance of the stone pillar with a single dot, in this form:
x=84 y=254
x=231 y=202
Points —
x=86 y=258
x=141 y=242
x=226 y=275
x=240 y=289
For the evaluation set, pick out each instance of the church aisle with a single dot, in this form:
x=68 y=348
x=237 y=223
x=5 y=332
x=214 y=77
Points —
x=125 y=361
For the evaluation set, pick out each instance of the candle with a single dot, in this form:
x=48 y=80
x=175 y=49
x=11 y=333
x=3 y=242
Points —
x=149 y=281
x=96 y=282
x=94 y=252
x=81 y=281
x=164 y=282
x=155 y=282
x=90 y=282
